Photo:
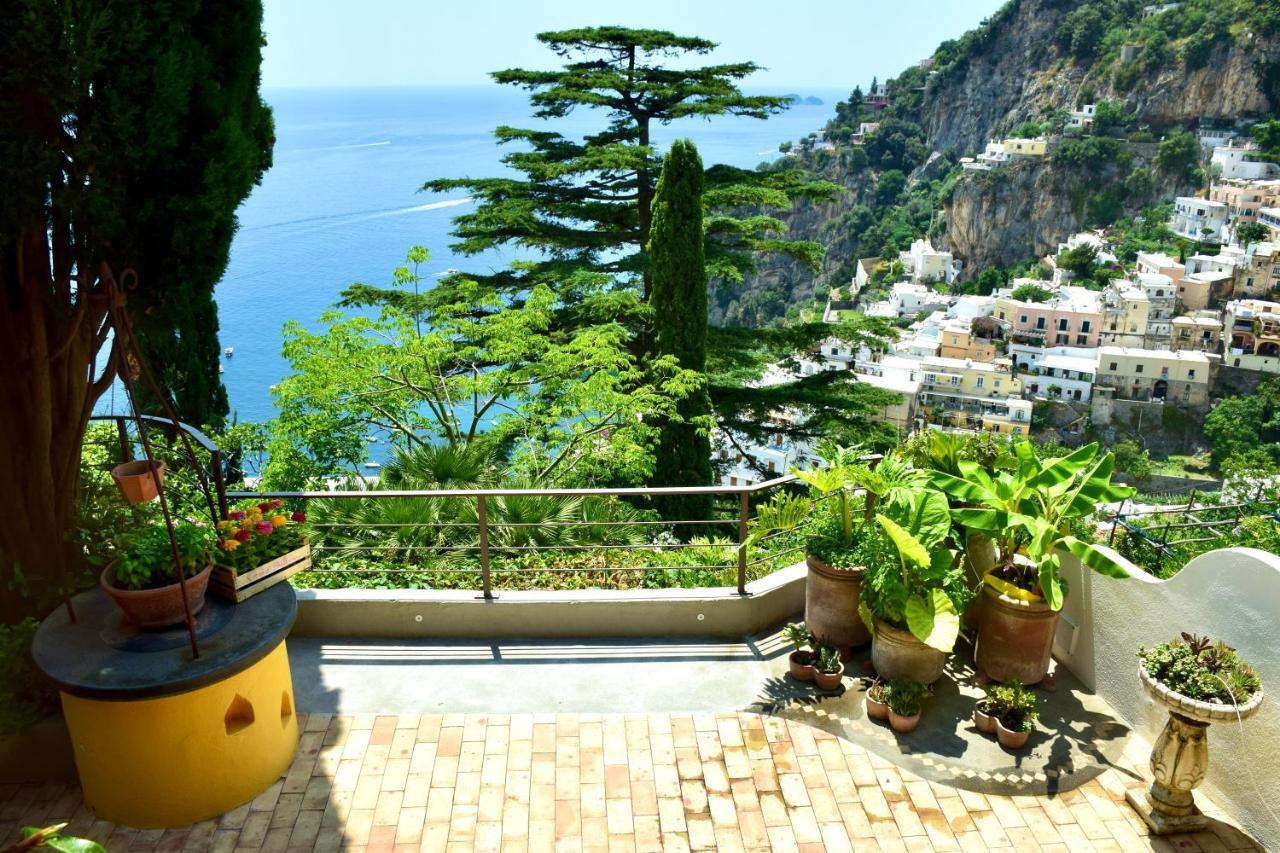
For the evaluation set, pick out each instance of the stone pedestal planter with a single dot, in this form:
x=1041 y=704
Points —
x=831 y=599
x=1015 y=638
x=1180 y=757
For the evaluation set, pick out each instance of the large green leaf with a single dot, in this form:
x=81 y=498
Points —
x=908 y=546
x=933 y=620
x=961 y=490
x=924 y=513
x=986 y=520
x=1093 y=556
x=1063 y=469
x=1051 y=581
x=783 y=512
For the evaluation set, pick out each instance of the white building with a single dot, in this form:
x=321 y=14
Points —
x=907 y=299
x=1233 y=162
x=1162 y=297
x=1062 y=377
x=925 y=263
x=1197 y=218
x=1082 y=117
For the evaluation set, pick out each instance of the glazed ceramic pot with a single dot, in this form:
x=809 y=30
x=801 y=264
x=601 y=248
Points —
x=831 y=599
x=159 y=607
x=898 y=654
x=1015 y=638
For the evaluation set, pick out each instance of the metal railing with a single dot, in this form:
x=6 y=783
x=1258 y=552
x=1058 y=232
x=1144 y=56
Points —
x=1166 y=530
x=483 y=524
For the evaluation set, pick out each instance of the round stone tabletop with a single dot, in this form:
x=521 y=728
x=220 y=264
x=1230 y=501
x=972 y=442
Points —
x=101 y=656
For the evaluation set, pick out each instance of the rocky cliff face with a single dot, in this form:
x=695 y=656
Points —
x=1024 y=210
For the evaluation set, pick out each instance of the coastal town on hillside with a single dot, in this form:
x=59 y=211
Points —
x=1164 y=331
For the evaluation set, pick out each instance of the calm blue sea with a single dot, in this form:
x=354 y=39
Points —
x=342 y=202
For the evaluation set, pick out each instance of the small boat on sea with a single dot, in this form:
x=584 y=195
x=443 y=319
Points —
x=372 y=439
x=229 y=351
x=221 y=369
x=373 y=464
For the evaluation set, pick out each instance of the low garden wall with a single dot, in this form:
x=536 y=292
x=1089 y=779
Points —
x=407 y=613
x=1231 y=595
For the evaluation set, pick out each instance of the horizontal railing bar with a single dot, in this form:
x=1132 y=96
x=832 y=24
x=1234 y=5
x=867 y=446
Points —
x=514 y=571
x=449 y=546
x=444 y=524
x=498 y=493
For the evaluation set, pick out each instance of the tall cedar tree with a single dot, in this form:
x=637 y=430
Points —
x=584 y=210
x=678 y=284
x=132 y=131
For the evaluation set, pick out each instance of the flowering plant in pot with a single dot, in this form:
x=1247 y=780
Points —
x=141 y=579
x=801 y=660
x=259 y=544
x=834 y=520
x=912 y=598
x=828 y=671
x=1199 y=682
x=1032 y=513
x=905 y=700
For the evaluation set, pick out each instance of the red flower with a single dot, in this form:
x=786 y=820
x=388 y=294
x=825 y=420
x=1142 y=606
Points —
x=263 y=527
x=277 y=503
x=237 y=515
x=242 y=535
x=299 y=517
x=264 y=506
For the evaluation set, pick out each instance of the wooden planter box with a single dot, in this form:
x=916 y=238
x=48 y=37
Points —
x=238 y=585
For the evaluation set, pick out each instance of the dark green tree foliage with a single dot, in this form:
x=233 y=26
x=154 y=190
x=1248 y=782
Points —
x=1179 y=152
x=1244 y=425
x=131 y=133
x=678 y=277
x=585 y=206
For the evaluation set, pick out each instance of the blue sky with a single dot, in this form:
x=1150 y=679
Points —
x=426 y=42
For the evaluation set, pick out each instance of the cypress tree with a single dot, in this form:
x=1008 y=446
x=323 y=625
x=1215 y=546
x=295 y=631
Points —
x=678 y=298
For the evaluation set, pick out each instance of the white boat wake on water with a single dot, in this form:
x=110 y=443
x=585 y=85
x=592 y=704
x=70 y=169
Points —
x=361 y=215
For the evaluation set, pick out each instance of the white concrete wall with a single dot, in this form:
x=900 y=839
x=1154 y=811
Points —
x=1231 y=595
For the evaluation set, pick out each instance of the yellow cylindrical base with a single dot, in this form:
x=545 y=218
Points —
x=176 y=760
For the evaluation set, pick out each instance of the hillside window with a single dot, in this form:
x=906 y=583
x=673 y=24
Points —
x=773 y=466
x=1191 y=374
x=1138 y=369
x=1062 y=324
x=1082 y=340
x=1085 y=325
x=1112 y=367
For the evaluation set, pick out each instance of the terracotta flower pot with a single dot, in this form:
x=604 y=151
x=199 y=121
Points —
x=876 y=710
x=984 y=721
x=901 y=724
x=1009 y=738
x=1015 y=638
x=139 y=481
x=831 y=599
x=160 y=607
x=828 y=680
x=898 y=654
x=801 y=668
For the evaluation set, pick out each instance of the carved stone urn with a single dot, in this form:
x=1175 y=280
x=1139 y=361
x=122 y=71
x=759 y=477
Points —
x=1180 y=757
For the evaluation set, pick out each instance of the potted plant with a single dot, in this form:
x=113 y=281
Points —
x=913 y=596
x=834 y=539
x=139 y=481
x=828 y=671
x=985 y=712
x=1032 y=513
x=905 y=699
x=259 y=545
x=800 y=660
x=1199 y=682
x=141 y=579
x=1014 y=709
x=878 y=700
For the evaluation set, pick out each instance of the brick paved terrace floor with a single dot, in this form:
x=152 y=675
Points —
x=661 y=781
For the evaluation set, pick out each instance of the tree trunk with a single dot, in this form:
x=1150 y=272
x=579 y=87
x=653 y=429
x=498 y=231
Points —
x=47 y=350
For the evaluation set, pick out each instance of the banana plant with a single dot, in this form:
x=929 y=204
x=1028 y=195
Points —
x=923 y=590
x=1029 y=512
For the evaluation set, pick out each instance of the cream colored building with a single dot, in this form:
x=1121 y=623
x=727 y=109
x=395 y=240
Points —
x=1126 y=310
x=1245 y=198
x=1201 y=331
x=958 y=339
x=967 y=394
x=1182 y=376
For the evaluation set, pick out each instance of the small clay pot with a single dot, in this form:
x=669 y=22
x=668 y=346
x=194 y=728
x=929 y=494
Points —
x=984 y=721
x=901 y=724
x=828 y=680
x=876 y=710
x=139 y=481
x=1010 y=739
x=801 y=668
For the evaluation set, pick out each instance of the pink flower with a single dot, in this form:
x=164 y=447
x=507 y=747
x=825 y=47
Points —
x=277 y=503
x=264 y=506
x=242 y=535
x=237 y=515
x=263 y=527
x=299 y=517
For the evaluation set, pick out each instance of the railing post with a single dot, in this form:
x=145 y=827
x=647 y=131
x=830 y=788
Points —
x=219 y=485
x=744 y=514
x=482 y=518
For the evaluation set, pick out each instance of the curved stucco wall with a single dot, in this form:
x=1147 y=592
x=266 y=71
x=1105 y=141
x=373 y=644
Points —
x=1231 y=595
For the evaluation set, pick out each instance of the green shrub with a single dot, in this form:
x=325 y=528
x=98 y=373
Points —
x=905 y=697
x=26 y=696
x=1201 y=669
x=147 y=563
